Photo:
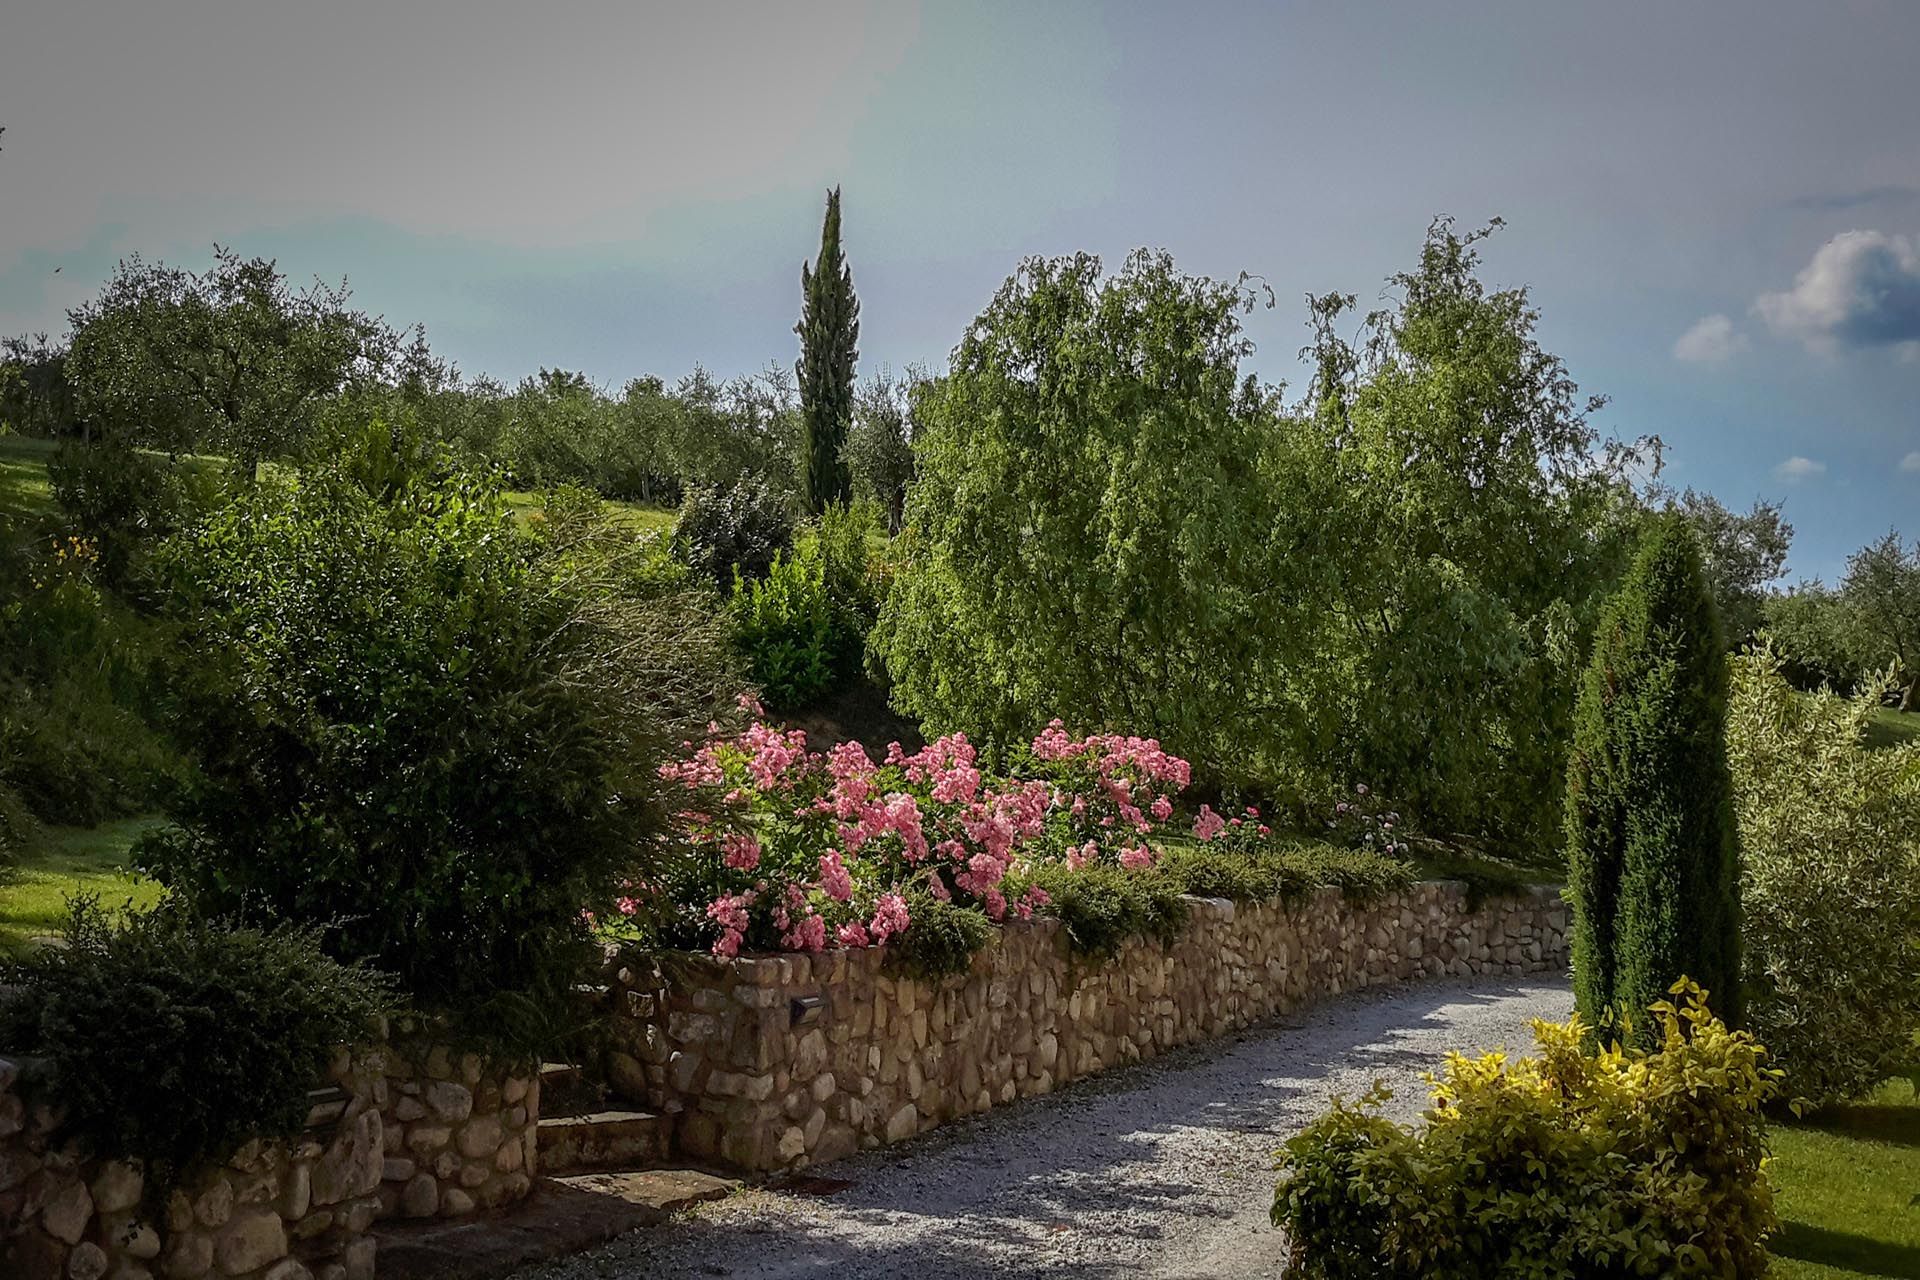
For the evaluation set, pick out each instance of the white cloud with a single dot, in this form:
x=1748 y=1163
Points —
x=1911 y=463
x=1798 y=468
x=1862 y=289
x=1713 y=340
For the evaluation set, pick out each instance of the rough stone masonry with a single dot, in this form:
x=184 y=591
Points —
x=775 y=1062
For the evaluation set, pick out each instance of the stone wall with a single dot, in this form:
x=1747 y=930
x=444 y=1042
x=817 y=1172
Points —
x=776 y=1062
x=460 y=1135
x=277 y=1210
x=420 y=1132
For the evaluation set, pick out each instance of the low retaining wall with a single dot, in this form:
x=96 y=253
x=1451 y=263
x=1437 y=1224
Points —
x=276 y=1211
x=459 y=1135
x=777 y=1062
x=424 y=1132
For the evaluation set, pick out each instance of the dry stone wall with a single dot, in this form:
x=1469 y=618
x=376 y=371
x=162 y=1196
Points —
x=278 y=1210
x=460 y=1135
x=426 y=1132
x=777 y=1062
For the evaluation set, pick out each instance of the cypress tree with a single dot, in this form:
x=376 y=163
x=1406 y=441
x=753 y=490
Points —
x=1652 y=853
x=829 y=330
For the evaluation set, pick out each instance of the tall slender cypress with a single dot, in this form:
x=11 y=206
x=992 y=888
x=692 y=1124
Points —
x=829 y=332
x=1652 y=852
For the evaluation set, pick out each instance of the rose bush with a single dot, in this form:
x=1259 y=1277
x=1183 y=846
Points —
x=801 y=850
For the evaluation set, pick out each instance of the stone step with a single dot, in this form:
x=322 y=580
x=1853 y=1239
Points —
x=603 y=1140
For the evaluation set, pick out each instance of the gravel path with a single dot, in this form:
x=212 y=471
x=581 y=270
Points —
x=1160 y=1170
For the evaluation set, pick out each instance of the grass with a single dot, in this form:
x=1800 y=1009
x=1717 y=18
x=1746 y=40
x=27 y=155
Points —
x=1847 y=1181
x=67 y=861
x=1891 y=728
x=23 y=476
x=632 y=514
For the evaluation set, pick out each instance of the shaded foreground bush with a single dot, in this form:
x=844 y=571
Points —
x=1571 y=1164
x=1830 y=839
x=172 y=1041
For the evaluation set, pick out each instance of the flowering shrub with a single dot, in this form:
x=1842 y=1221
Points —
x=1625 y=1162
x=801 y=850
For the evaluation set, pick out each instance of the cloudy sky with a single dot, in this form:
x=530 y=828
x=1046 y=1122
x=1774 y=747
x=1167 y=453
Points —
x=1717 y=206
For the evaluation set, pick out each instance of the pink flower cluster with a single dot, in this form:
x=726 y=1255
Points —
x=814 y=849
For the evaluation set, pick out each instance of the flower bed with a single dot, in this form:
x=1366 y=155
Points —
x=800 y=851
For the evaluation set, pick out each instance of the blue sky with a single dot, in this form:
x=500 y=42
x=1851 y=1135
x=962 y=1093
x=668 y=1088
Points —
x=1717 y=206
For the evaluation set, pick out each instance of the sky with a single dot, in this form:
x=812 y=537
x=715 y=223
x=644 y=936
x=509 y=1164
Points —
x=1716 y=207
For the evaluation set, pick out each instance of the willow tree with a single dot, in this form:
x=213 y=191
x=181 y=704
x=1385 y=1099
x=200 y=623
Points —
x=829 y=332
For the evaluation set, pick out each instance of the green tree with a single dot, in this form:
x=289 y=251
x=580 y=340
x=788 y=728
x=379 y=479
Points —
x=1087 y=535
x=1817 y=634
x=1745 y=552
x=829 y=332
x=1651 y=843
x=1883 y=587
x=879 y=448
x=1470 y=520
x=230 y=359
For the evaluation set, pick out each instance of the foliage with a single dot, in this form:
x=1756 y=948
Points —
x=1616 y=1163
x=173 y=1040
x=942 y=940
x=784 y=627
x=125 y=500
x=879 y=448
x=1817 y=634
x=1088 y=524
x=1466 y=520
x=76 y=683
x=740 y=530
x=1651 y=841
x=230 y=360
x=1743 y=554
x=829 y=330
x=1393 y=579
x=1883 y=587
x=1830 y=881
x=35 y=397
x=410 y=717
x=1101 y=907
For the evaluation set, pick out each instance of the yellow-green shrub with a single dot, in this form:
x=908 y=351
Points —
x=1573 y=1164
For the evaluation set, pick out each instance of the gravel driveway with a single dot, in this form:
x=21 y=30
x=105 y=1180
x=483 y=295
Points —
x=1160 y=1170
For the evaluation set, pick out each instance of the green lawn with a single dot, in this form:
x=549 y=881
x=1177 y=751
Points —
x=70 y=860
x=23 y=475
x=1848 y=1180
x=1892 y=728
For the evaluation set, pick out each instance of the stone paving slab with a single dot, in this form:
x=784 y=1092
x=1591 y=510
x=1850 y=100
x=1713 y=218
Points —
x=563 y=1216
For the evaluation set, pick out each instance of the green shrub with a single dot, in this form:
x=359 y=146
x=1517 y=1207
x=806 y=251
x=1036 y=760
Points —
x=126 y=500
x=417 y=719
x=1286 y=873
x=173 y=1040
x=803 y=627
x=1101 y=906
x=76 y=687
x=784 y=627
x=942 y=941
x=1650 y=830
x=1830 y=881
x=1571 y=1164
x=742 y=528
